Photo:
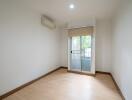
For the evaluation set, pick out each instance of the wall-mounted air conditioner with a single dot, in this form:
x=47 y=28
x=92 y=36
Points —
x=48 y=22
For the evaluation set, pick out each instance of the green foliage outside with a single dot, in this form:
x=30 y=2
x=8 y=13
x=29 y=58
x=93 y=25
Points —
x=86 y=42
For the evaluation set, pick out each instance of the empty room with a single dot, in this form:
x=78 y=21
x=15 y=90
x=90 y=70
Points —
x=65 y=49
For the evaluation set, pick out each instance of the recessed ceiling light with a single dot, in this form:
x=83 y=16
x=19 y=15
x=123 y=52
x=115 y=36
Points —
x=71 y=6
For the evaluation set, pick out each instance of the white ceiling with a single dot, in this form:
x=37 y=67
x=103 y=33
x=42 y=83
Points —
x=84 y=9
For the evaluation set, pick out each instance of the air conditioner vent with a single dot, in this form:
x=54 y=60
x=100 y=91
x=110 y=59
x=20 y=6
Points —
x=48 y=22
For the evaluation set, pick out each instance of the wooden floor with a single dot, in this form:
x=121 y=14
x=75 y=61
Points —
x=62 y=85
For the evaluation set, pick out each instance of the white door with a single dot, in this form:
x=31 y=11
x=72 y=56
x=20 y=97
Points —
x=81 y=53
x=75 y=60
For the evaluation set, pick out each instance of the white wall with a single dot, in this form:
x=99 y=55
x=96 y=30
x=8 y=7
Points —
x=103 y=46
x=64 y=48
x=27 y=49
x=122 y=48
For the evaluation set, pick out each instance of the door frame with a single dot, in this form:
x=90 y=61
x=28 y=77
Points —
x=92 y=53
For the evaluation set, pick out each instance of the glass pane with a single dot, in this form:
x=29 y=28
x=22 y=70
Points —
x=86 y=53
x=75 y=55
x=76 y=43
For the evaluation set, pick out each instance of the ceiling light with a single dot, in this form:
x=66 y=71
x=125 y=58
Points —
x=71 y=6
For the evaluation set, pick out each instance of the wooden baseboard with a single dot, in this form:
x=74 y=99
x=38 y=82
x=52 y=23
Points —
x=64 y=67
x=103 y=72
x=119 y=90
x=117 y=87
x=26 y=84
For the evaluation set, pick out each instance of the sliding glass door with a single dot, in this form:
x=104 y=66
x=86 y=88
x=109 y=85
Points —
x=86 y=53
x=75 y=53
x=80 y=57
